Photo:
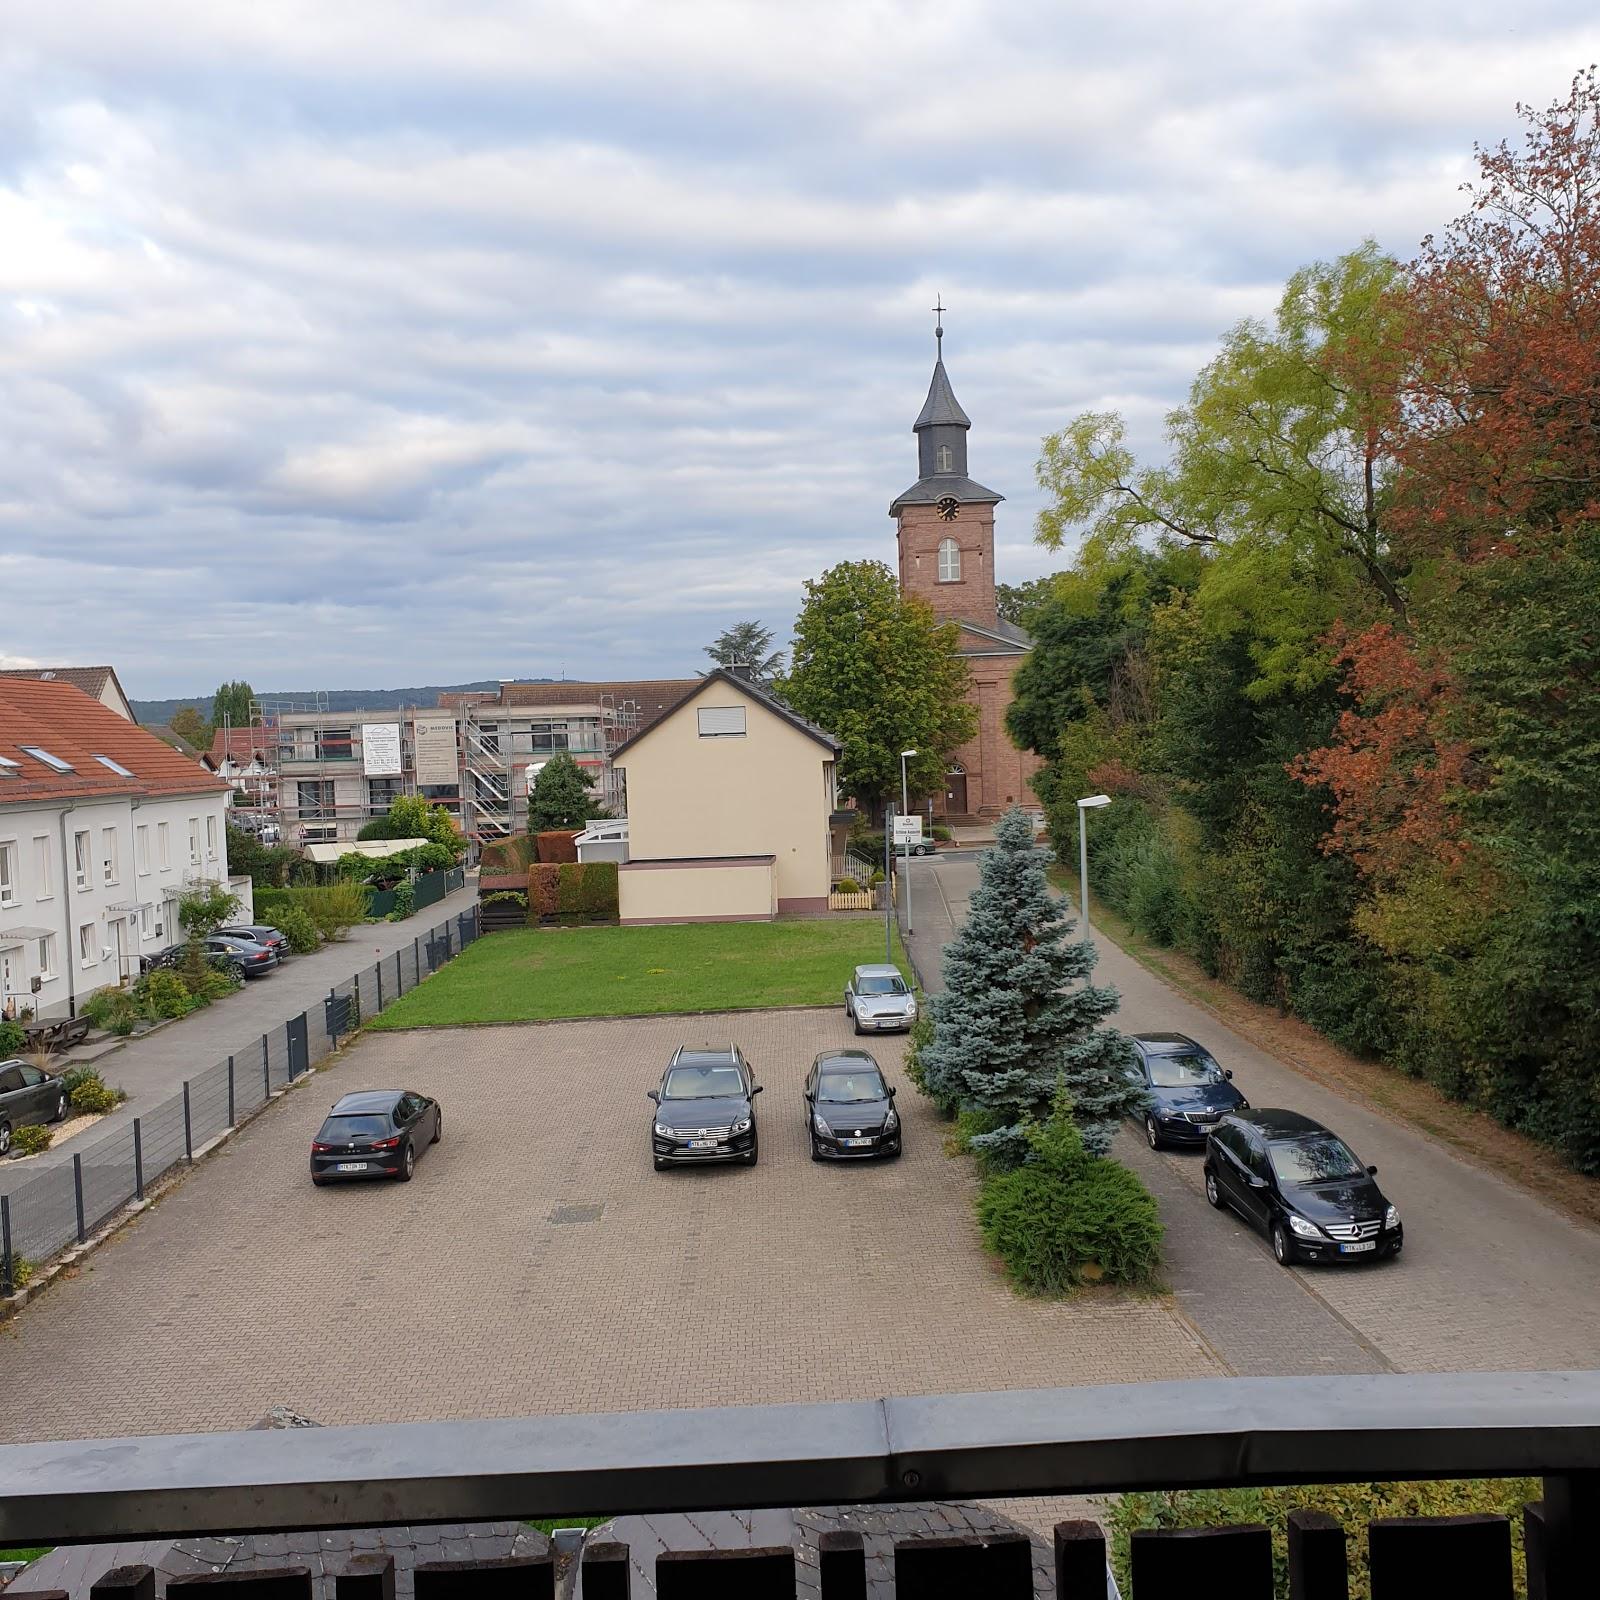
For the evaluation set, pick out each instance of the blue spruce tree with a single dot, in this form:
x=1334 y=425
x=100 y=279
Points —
x=1017 y=1021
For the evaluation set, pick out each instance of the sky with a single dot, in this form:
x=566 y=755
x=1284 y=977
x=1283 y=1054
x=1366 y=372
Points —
x=406 y=341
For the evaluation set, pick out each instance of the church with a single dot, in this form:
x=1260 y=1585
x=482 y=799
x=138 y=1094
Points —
x=944 y=525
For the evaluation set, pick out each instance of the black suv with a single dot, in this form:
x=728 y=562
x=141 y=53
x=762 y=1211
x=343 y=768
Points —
x=705 y=1109
x=1302 y=1186
x=1187 y=1092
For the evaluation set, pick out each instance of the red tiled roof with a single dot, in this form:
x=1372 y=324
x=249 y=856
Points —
x=650 y=697
x=92 y=680
x=54 y=716
x=244 y=745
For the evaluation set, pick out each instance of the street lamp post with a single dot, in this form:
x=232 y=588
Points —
x=1089 y=803
x=905 y=810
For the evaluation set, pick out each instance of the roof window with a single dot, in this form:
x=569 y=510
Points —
x=114 y=766
x=55 y=763
x=8 y=767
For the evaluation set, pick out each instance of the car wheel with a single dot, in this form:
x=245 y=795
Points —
x=61 y=1110
x=1213 y=1193
x=5 y=1138
x=438 y=1127
x=319 y=1183
x=1152 y=1133
x=1282 y=1250
x=408 y=1164
x=754 y=1156
x=855 y=1022
x=816 y=1151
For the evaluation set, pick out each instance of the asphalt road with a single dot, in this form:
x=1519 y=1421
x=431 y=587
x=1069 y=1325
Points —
x=1491 y=1278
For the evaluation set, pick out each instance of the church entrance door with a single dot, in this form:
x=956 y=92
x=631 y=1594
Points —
x=955 y=794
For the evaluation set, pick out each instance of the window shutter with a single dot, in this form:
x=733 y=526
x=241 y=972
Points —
x=721 y=722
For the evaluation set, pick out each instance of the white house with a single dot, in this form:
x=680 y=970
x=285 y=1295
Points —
x=102 y=828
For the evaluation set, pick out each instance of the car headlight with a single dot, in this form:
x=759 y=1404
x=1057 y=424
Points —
x=911 y=1008
x=1306 y=1230
x=663 y=1131
x=741 y=1126
x=819 y=1124
x=891 y=1122
x=1391 y=1217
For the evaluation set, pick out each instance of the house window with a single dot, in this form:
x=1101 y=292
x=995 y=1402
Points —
x=108 y=853
x=949 y=561
x=47 y=957
x=316 y=799
x=383 y=792
x=194 y=841
x=88 y=945
x=164 y=844
x=80 y=858
x=946 y=459
x=211 y=837
x=141 y=849
x=41 y=864
x=721 y=722
x=145 y=917
x=8 y=874
x=334 y=744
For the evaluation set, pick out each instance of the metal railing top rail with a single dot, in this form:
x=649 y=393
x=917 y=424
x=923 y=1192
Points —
x=1194 y=1434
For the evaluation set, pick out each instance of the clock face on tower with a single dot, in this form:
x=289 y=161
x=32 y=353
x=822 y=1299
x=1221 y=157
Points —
x=947 y=506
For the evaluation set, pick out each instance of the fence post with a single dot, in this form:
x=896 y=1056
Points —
x=377 y=968
x=266 y=1069
x=416 y=957
x=188 y=1134
x=355 y=987
x=6 y=1285
x=77 y=1190
x=399 y=977
x=138 y=1160
x=333 y=1026
x=230 y=1091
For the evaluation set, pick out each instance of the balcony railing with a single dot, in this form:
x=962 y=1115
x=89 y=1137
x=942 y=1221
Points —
x=1207 y=1434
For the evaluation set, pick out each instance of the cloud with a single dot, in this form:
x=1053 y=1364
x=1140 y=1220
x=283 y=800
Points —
x=358 y=343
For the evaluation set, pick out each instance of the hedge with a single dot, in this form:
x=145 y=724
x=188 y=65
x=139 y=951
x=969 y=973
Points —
x=572 y=892
x=515 y=854
x=558 y=845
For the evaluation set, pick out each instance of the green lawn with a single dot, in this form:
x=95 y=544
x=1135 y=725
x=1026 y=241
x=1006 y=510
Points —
x=533 y=974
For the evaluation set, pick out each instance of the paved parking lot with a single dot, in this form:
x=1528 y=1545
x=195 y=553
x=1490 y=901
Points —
x=457 y=1296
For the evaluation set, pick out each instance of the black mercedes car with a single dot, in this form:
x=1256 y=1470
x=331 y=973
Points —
x=849 y=1108
x=375 y=1133
x=705 y=1109
x=1187 y=1089
x=1302 y=1186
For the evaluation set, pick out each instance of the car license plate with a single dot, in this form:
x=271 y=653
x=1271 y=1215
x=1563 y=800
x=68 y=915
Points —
x=702 y=1144
x=855 y=1143
x=352 y=1166
x=1356 y=1249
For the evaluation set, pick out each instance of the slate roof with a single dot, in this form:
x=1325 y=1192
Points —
x=53 y=715
x=761 y=696
x=926 y=491
x=941 y=408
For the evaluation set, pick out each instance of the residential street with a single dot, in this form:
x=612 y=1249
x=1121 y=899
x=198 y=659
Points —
x=154 y=1067
x=1490 y=1278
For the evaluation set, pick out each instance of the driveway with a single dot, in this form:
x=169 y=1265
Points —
x=538 y=1264
x=153 y=1068
x=1491 y=1277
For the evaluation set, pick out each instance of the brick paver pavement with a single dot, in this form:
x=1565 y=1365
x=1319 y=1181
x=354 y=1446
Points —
x=456 y=1296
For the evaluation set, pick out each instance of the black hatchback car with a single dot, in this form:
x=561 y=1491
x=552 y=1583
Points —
x=1302 y=1186
x=375 y=1133
x=1188 y=1092
x=705 y=1109
x=849 y=1108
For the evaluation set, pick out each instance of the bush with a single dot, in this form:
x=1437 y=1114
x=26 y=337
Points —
x=12 y=1038
x=295 y=924
x=113 y=1009
x=163 y=993
x=504 y=897
x=598 y=894
x=92 y=1096
x=877 y=877
x=22 y=1271
x=73 y=1076
x=218 y=982
x=847 y=886
x=515 y=854
x=405 y=900
x=942 y=833
x=569 y=886
x=334 y=908
x=1353 y=1504
x=542 y=881
x=99 y=1006
x=557 y=846
x=1065 y=1218
x=31 y=1139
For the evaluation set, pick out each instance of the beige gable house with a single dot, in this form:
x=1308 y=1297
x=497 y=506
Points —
x=729 y=797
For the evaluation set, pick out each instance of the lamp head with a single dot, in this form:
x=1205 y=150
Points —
x=1092 y=801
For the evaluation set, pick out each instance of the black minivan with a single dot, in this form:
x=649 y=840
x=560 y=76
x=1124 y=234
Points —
x=1302 y=1186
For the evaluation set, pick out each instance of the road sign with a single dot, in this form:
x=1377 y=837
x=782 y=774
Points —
x=908 y=830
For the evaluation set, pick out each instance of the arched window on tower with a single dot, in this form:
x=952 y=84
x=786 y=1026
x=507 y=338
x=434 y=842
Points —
x=946 y=459
x=949 y=562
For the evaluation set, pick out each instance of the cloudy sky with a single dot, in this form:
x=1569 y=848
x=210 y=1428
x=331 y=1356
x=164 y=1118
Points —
x=399 y=341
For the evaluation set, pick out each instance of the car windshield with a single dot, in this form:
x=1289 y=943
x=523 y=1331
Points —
x=841 y=1088
x=894 y=985
x=1316 y=1160
x=702 y=1083
x=343 y=1129
x=1177 y=1072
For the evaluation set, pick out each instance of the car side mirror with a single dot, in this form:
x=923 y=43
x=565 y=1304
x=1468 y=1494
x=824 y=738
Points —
x=892 y=1091
x=756 y=1089
x=653 y=1094
x=1372 y=1172
x=1257 y=1181
x=1227 y=1074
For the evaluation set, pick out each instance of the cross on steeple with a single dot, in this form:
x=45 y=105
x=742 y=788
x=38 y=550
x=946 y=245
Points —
x=939 y=309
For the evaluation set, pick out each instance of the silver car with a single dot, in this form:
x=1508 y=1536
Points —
x=879 y=1000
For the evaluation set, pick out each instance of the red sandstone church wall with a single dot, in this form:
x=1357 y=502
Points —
x=922 y=530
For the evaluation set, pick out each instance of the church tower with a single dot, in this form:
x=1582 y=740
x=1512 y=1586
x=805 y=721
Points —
x=945 y=521
x=944 y=524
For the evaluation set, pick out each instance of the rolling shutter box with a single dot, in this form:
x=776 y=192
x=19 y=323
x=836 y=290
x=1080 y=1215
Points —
x=721 y=722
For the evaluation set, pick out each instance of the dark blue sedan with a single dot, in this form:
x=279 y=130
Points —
x=1188 y=1091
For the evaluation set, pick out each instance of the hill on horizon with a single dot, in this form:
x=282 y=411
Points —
x=162 y=711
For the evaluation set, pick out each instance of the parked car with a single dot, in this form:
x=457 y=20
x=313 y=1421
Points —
x=850 y=1108
x=878 y=1000
x=28 y=1096
x=705 y=1109
x=246 y=956
x=1188 y=1091
x=921 y=847
x=175 y=955
x=375 y=1133
x=261 y=933
x=1302 y=1186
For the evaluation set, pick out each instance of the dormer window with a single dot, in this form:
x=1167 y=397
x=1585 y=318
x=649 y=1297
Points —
x=949 y=562
x=946 y=459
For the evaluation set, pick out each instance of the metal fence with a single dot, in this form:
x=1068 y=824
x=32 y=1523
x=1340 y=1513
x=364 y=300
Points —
x=68 y=1201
